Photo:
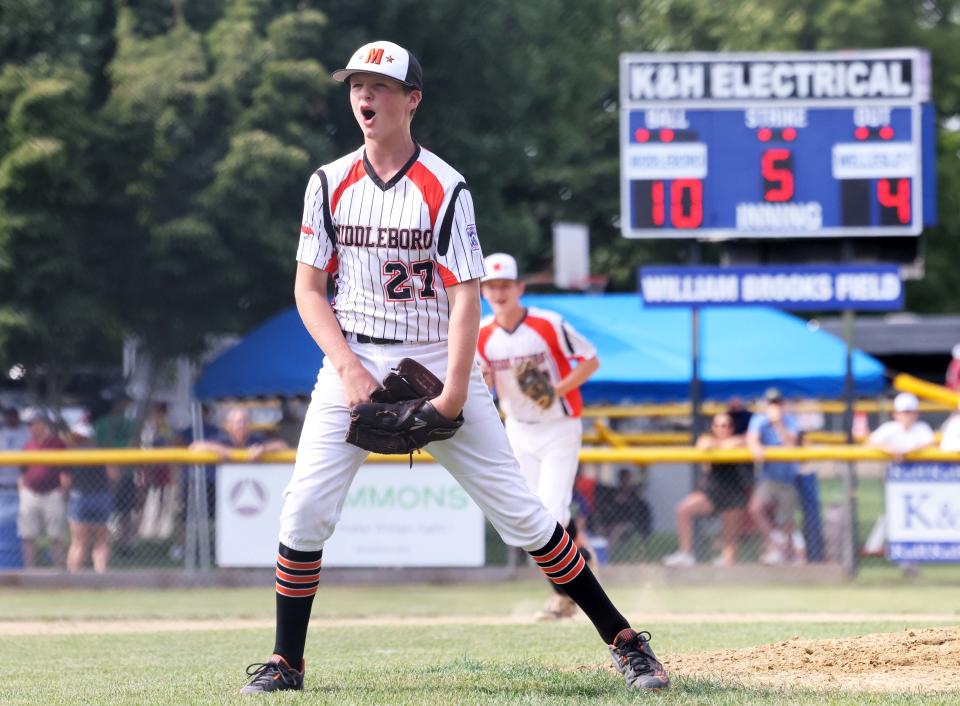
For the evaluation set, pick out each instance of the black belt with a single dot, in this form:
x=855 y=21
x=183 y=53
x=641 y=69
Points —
x=363 y=338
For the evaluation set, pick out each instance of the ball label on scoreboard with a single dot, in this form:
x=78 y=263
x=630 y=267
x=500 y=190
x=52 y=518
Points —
x=776 y=145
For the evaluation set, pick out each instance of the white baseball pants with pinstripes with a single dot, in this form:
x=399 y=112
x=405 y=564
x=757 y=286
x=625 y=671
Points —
x=478 y=456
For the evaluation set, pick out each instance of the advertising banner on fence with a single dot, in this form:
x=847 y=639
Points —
x=806 y=287
x=392 y=516
x=923 y=512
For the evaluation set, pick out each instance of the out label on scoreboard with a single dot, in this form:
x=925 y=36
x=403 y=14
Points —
x=768 y=145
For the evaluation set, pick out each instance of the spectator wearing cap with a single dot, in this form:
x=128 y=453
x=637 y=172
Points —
x=13 y=437
x=89 y=505
x=906 y=432
x=43 y=507
x=774 y=502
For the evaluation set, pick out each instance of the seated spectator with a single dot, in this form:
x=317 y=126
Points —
x=237 y=434
x=43 y=507
x=622 y=512
x=906 y=432
x=774 y=502
x=89 y=506
x=726 y=492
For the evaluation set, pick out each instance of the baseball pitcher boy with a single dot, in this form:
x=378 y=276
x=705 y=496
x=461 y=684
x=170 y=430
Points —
x=525 y=354
x=394 y=225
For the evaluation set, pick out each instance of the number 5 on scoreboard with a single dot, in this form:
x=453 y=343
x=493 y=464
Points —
x=776 y=167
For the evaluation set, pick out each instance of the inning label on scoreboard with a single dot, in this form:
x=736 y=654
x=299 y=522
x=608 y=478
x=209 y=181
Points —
x=776 y=145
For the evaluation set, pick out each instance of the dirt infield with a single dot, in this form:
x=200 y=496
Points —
x=923 y=661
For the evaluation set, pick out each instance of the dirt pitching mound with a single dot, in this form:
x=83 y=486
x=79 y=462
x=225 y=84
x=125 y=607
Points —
x=920 y=660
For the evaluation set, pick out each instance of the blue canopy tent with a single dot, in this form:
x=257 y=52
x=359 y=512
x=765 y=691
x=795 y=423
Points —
x=644 y=354
x=278 y=358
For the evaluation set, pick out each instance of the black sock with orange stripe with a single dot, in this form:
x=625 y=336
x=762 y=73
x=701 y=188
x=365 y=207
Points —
x=562 y=563
x=298 y=575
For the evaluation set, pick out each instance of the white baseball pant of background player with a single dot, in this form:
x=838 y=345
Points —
x=548 y=453
x=479 y=457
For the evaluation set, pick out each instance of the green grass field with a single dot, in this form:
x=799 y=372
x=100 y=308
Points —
x=381 y=661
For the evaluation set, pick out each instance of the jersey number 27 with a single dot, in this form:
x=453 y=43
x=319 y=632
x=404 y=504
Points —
x=397 y=285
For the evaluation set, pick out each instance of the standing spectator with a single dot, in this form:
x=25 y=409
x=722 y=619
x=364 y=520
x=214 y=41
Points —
x=953 y=370
x=237 y=434
x=43 y=507
x=13 y=437
x=906 y=432
x=774 y=502
x=114 y=430
x=156 y=483
x=89 y=505
x=726 y=491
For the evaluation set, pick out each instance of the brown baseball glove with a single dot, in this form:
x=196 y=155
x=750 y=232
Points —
x=535 y=383
x=401 y=419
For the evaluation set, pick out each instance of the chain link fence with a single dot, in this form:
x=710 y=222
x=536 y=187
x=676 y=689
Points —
x=163 y=516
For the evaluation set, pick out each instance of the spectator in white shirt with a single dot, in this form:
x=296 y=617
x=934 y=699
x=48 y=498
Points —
x=906 y=432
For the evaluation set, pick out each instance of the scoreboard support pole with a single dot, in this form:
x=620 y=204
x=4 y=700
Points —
x=849 y=394
x=696 y=393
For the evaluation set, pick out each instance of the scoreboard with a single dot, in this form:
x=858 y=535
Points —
x=774 y=145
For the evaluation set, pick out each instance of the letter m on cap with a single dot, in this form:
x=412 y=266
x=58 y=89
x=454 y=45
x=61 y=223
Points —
x=374 y=56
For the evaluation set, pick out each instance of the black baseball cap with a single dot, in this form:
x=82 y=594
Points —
x=384 y=58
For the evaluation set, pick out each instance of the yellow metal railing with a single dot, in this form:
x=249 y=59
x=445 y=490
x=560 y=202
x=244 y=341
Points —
x=610 y=454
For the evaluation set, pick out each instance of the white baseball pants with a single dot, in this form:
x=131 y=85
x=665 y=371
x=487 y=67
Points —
x=548 y=453
x=478 y=456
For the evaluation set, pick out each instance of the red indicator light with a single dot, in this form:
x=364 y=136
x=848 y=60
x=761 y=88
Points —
x=764 y=134
x=886 y=133
x=789 y=134
x=861 y=133
x=666 y=135
x=642 y=134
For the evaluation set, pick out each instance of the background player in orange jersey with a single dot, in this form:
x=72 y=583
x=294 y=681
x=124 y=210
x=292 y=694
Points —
x=526 y=355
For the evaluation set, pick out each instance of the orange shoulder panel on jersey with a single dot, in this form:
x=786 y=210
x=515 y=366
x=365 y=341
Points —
x=355 y=174
x=548 y=333
x=485 y=333
x=447 y=277
x=430 y=188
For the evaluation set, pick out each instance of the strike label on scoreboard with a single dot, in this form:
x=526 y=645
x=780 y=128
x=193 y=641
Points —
x=776 y=145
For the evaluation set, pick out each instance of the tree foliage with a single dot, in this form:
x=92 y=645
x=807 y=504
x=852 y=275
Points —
x=153 y=152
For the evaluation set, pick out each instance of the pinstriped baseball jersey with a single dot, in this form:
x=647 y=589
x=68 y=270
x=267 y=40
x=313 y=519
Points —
x=393 y=247
x=544 y=337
